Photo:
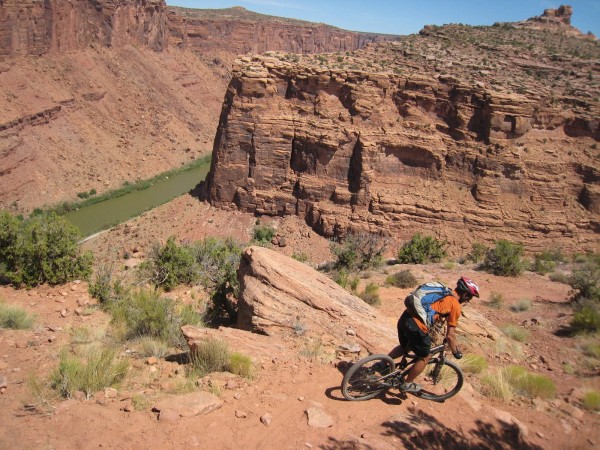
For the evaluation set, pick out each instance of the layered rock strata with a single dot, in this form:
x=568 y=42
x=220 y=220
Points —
x=415 y=150
x=36 y=27
x=240 y=31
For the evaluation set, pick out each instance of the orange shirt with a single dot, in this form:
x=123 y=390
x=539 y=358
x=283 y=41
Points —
x=447 y=307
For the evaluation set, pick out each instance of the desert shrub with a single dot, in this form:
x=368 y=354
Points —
x=585 y=281
x=586 y=318
x=15 y=318
x=559 y=277
x=421 y=249
x=169 y=265
x=346 y=280
x=359 y=251
x=217 y=261
x=92 y=373
x=530 y=384
x=592 y=349
x=262 y=234
x=402 y=279
x=370 y=295
x=541 y=265
x=104 y=287
x=591 y=400
x=496 y=384
x=211 y=355
x=517 y=333
x=472 y=363
x=522 y=305
x=141 y=313
x=300 y=256
x=149 y=346
x=240 y=364
x=505 y=259
x=42 y=249
x=477 y=253
x=496 y=300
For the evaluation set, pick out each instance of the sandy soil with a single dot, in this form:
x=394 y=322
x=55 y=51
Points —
x=286 y=386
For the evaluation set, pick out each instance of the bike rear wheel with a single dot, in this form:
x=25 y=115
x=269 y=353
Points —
x=443 y=385
x=363 y=381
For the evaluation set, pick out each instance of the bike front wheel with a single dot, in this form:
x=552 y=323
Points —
x=440 y=381
x=367 y=377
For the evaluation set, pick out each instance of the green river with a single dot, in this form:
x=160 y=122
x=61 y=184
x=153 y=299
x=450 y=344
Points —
x=99 y=216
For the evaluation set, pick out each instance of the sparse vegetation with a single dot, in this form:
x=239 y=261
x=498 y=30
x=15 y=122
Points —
x=41 y=249
x=521 y=305
x=262 y=234
x=93 y=372
x=211 y=355
x=478 y=252
x=402 y=279
x=530 y=384
x=559 y=277
x=421 y=249
x=240 y=364
x=496 y=300
x=359 y=251
x=472 y=363
x=496 y=384
x=517 y=333
x=504 y=259
x=370 y=295
x=15 y=317
x=591 y=400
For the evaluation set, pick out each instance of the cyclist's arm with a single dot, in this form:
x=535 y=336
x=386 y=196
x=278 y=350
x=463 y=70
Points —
x=451 y=337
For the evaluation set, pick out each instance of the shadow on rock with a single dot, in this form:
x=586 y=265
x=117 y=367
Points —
x=418 y=430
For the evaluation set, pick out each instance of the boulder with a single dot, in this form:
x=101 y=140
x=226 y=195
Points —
x=279 y=295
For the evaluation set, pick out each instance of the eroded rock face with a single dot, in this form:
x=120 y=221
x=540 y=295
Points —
x=241 y=31
x=429 y=146
x=35 y=27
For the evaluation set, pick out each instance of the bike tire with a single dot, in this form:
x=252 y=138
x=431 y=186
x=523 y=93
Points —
x=363 y=382
x=448 y=383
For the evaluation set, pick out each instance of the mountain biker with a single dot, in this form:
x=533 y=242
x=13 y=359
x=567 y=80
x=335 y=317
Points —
x=413 y=334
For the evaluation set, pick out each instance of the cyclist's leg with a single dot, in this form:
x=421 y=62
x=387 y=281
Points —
x=400 y=350
x=420 y=343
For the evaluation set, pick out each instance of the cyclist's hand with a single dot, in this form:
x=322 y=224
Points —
x=457 y=354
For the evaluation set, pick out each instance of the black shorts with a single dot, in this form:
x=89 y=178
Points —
x=411 y=337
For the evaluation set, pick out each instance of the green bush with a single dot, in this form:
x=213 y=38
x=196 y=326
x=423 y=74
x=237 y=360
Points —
x=359 y=251
x=478 y=252
x=370 y=295
x=421 y=249
x=591 y=400
x=91 y=374
x=42 y=249
x=586 y=318
x=103 y=287
x=139 y=313
x=15 y=318
x=240 y=364
x=345 y=280
x=530 y=384
x=263 y=234
x=169 y=265
x=402 y=279
x=211 y=355
x=506 y=259
x=559 y=277
x=585 y=281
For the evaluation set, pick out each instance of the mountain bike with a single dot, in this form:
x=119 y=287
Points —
x=376 y=374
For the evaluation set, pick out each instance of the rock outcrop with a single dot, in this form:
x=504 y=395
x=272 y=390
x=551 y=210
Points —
x=470 y=143
x=35 y=27
x=280 y=296
x=240 y=31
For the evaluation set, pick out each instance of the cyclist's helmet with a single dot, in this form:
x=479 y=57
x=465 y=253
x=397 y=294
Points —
x=467 y=286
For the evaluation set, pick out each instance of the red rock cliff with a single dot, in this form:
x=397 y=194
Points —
x=36 y=27
x=431 y=146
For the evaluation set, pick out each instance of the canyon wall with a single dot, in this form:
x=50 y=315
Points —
x=409 y=150
x=36 y=27
x=240 y=31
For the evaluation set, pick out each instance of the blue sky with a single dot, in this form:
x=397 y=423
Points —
x=406 y=17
